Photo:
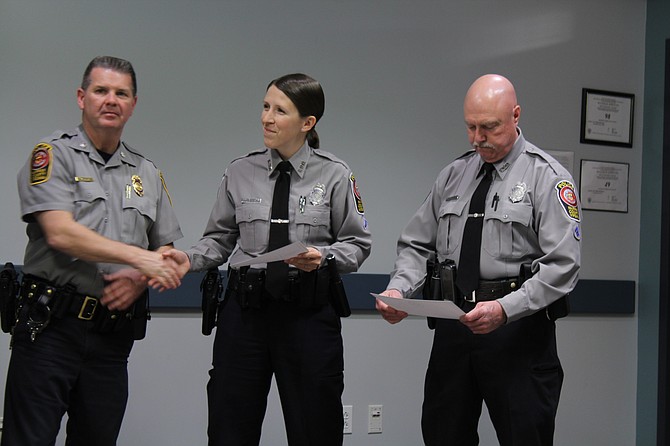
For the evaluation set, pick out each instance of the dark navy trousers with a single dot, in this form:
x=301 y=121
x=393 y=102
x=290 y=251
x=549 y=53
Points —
x=302 y=348
x=68 y=369
x=515 y=370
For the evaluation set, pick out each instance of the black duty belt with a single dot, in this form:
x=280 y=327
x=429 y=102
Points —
x=492 y=290
x=308 y=290
x=61 y=300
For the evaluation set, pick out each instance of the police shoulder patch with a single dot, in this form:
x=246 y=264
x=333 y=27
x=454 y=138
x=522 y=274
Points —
x=41 y=161
x=356 y=194
x=567 y=197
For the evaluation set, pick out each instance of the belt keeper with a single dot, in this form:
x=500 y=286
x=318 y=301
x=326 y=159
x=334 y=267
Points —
x=88 y=308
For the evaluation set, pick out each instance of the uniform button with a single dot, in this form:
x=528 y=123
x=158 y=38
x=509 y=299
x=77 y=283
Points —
x=505 y=216
x=315 y=220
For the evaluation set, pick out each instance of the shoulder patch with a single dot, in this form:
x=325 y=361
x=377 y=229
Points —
x=565 y=191
x=41 y=161
x=356 y=195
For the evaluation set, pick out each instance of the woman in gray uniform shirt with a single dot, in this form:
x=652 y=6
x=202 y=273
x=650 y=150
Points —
x=289 y=328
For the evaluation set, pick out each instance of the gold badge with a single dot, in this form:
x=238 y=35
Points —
x=137 y=185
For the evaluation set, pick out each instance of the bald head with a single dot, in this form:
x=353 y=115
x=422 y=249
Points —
x=491 y=114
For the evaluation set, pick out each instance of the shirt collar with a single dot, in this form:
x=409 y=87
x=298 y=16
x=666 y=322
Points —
x=298 y=160
x=502 y=166
x=83 y=143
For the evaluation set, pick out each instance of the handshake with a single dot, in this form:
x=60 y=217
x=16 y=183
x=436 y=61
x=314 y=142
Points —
x=165 y=268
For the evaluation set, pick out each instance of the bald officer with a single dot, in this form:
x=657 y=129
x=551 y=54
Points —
x=98 y=215
x=503 y=350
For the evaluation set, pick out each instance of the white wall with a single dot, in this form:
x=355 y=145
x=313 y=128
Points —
x=394 y=73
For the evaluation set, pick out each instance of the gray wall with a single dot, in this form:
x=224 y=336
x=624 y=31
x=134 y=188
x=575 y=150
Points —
x=394 y=73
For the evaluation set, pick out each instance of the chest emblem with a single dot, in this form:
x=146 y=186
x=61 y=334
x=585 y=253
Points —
x=317 y=194
x=517 y=193
x=137 y=185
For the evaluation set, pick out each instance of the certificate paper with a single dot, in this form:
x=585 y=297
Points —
x=604 y=186
x=607 y=118
x=444 y=309
x=283 y=253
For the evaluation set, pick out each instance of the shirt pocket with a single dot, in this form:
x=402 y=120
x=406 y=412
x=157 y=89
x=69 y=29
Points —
x=90 y=205
x=313 y=225
x=449 y=226
x=507 y=230
x=139 y=214
x=253 y=220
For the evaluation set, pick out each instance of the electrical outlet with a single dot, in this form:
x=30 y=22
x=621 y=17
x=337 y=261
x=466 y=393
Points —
x=375 y=419
x=347 y=414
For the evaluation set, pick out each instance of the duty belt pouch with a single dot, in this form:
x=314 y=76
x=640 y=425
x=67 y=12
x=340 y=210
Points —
x=9 y=290
x=557 y=309
x=112 y=321
x=211 y=288
x=440 y=283
x=141 y=315
x=432 y=288
x=250 y=288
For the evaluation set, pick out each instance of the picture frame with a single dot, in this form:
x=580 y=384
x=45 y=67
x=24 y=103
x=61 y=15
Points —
x=607 y=118
x=603 y=186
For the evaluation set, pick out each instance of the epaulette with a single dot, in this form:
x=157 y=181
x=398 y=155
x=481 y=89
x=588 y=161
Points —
x=252 y=153
x=329 y=156
x=60 y=134
x=467 y=154
x=138 y=153
x=534 y=151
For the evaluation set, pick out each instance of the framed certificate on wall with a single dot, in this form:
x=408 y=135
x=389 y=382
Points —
x=604 y=186
x=607 y=118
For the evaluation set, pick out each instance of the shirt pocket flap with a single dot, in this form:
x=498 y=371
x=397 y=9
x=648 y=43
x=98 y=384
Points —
x=89 y=192
x=247 y=213
x=313 y=217
x=520 y=213
x=452 y=208
x=143 y=205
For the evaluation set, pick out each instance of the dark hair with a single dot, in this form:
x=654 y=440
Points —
x=113 y=63
x=307 y=96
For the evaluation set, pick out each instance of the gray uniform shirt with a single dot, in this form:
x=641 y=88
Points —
x=325 y=210
x=532 y=215
x=124 y=199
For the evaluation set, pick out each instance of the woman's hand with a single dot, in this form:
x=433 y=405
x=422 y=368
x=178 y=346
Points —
x=307 y=261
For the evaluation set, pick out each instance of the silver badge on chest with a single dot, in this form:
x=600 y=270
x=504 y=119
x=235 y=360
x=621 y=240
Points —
x=518 y=192
x=317 y=194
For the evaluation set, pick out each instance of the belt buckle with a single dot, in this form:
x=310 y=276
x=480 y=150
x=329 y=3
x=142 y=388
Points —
x=472 y=298
x=88 y=308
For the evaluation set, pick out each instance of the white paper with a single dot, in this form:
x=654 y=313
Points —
x=444 y=309
x=283 y=253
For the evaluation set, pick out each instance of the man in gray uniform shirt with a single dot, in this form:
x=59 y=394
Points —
x=503 y=350
x=98 y=217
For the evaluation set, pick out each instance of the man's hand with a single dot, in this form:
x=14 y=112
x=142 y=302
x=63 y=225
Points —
x=163 y=271
x=485 y=317
x=123 y=288
x=175 y=259
x=307 y=261
x=390 y=314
